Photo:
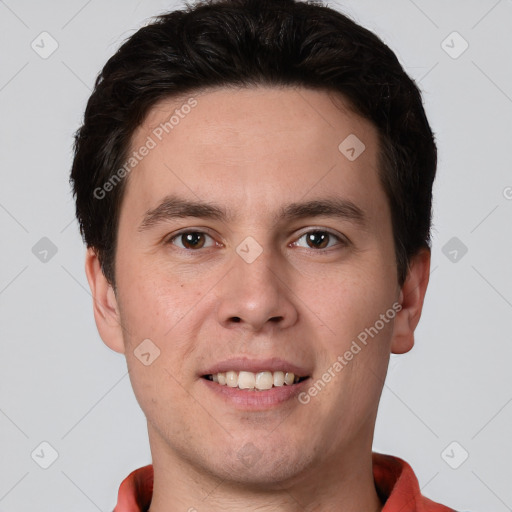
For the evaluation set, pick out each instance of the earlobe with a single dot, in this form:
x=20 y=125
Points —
x=411 y=299
x=105 y=306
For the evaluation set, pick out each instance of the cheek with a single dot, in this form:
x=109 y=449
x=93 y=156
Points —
x=360 y=317
x=355 y=302
x=154 y=302
x=157 y=309
x=158 y=392
x=157 y=339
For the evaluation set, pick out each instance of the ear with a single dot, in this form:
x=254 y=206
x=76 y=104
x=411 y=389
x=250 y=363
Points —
x=411 y=299
x=106 y=310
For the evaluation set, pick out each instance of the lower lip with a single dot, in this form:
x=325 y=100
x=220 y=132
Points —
x=248 y=399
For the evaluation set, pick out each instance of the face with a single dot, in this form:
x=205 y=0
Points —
x=285 y=267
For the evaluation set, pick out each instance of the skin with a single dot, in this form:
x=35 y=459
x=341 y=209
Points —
x=253 y=151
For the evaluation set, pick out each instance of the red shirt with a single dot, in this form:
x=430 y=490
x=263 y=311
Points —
x=395 y=482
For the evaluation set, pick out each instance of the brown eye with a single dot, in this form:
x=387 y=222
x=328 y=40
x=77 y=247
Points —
x=318 y=239
x=190 y=240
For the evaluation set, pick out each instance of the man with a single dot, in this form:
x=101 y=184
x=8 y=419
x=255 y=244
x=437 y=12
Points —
x=253 y=181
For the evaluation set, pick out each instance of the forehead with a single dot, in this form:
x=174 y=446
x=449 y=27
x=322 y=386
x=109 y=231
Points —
x=255 y=146
x=233 y=116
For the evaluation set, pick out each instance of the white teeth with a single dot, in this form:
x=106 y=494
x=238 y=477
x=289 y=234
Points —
x=259 y=381
x=278 y=378
x=264 y=380
x=232 y=379
x=246 y=380
x=289 y=378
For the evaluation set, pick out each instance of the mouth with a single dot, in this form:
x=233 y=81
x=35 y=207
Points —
x=255 y=384
x=251 y=381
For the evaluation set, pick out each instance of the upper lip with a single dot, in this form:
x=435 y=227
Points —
x=256 y=365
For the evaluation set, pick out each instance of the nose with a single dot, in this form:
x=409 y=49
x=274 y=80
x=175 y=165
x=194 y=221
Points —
x=257 y=295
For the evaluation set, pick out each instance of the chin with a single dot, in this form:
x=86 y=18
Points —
x=265 y=468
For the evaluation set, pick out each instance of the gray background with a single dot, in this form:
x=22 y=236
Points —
x=59 y=382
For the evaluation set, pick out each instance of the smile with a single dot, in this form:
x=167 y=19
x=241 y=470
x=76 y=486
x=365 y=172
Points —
x=259 y=381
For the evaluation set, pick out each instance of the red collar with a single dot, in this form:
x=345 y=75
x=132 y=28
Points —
x=394 y=479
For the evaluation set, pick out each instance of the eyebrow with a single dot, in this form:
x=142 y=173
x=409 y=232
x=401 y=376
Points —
x=172 y=207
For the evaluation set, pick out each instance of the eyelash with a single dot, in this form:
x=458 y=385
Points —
x=341 y=240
